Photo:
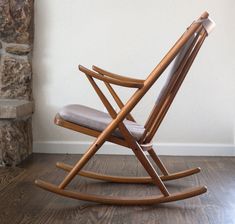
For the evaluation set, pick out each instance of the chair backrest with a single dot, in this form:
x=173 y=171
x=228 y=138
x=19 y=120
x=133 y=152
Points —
x=154 y=119
x=176 y=76
x=174 y=66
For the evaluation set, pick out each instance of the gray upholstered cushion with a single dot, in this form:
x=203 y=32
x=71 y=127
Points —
x=174 y=65
x=96 y=120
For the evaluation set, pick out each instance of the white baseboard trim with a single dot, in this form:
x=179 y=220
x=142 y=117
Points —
x=177 y=149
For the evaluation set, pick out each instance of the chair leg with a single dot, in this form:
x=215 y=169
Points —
x=138 y=151
x=150 y=170
x=80 y=164
x=158 y=162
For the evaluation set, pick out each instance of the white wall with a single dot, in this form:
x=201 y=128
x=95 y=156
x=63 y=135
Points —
x=130 y=38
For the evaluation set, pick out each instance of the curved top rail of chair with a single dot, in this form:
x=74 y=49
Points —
x=125 y=83
x=116 y=76
x=204 y=15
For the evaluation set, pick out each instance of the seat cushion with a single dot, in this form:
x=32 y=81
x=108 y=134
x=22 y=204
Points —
x=96 y=120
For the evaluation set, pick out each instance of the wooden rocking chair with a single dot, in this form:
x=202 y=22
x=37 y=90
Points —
x=121 y=128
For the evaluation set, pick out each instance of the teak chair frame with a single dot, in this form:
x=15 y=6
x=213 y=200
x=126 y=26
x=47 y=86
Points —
x=151 y=126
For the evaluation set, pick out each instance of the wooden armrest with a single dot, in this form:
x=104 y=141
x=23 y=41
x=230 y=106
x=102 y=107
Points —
x=111 y=80
x=116 y=76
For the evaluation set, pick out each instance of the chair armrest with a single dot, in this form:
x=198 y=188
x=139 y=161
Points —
x=111 y=80
x=116 y=76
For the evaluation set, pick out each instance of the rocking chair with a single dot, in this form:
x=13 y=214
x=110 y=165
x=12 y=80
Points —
x=120 y=128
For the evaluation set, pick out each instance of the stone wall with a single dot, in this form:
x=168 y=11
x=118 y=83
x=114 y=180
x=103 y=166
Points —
x=16 y=43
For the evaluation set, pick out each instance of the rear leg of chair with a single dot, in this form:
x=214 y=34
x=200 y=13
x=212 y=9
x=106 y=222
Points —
x=150 y=169
x=158 y=162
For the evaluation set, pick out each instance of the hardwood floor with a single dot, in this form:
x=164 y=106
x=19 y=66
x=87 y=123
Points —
x=22 y=202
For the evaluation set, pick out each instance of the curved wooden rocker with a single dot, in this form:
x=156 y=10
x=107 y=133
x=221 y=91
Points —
x=129 y=180
x=117 y=200
x=121 y=128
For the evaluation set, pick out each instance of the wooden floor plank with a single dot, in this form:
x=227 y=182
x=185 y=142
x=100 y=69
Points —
x=22 y=202
x=8 y=175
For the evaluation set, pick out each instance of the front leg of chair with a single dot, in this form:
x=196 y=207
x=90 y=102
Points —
x=80 y=164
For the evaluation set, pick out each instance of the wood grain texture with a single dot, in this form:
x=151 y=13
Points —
x=22 y=202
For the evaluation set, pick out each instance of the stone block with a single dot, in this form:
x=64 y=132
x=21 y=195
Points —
x=11 y=108
x=18 y=49
x=16 y=141
x=16 y=78
x=16 y=21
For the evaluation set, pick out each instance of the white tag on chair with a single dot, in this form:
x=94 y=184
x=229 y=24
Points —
x=208 y=24
x=147 y=146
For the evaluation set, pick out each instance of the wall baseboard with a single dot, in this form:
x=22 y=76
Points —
x=177 y=149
